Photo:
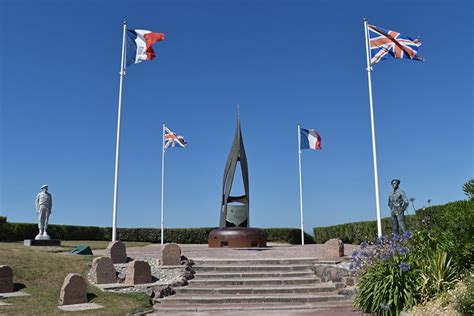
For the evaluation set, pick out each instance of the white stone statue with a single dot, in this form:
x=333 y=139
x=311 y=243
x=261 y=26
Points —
x=44 y=204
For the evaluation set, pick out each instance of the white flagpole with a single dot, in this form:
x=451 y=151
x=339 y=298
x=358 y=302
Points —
x=162 y=183
x=117 y=147
x=372 y=121
x=301 y=185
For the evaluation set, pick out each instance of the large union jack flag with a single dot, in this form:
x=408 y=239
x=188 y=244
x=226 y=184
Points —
x=385 y=42
x=171 y=139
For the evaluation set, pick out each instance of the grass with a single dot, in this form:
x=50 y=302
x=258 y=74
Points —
x=42 y=271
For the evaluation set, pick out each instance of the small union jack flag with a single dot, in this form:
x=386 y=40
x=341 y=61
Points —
x=171 y=139
x=385 y=42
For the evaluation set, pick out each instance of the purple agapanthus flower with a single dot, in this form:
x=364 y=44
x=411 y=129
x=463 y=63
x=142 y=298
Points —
x=403 y=251
x=404 y=266
x=363 y=245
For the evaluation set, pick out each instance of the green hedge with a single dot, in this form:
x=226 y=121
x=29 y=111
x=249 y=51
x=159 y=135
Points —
x=21 y=231
x=355 y=233
x=288 y=235
x=177 y=235
x=199 y=235
x=455 y=219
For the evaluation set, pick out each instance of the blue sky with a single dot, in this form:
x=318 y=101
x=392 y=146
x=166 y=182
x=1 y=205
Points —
x=284 y=62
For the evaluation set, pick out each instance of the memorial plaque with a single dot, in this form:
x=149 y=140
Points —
x=237 y=214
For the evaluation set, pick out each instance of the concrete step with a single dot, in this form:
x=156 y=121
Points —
x=254 y=281
x=274 y=261
x=239 y=299
x=236 y=290
x=245 y=275
x=259 y=267
x=320 y=309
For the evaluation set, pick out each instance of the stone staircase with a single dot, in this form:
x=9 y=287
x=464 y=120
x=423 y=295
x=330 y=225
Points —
x=256 y=285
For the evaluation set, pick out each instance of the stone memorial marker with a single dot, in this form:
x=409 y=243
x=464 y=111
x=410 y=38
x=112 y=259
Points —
x=103 y=271
x=170 y=255
x=74 y=290
x=334 y=248
x=138 y=272
x=117 y=252
x=6 y=279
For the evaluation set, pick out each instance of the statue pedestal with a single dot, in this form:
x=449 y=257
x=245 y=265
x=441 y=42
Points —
x=42 y=242
x=237 y=237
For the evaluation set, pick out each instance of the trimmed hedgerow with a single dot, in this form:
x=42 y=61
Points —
x=455 y=219
x=357 y=232
x=21 y=231
x=176 y=235
x=288 y=235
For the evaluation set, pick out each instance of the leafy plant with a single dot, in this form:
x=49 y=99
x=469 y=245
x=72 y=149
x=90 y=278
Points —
x=468 y=189
x=438 y=273
x=389 y=274
x=388 y=288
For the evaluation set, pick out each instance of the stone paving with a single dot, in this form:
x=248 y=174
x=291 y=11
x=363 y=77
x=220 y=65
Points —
x=203 y=252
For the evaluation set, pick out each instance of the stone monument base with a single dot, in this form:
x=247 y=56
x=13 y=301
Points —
x=42 y=242
x=237 y=237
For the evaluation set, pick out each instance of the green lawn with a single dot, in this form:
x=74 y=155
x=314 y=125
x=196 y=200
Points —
x=42 y=272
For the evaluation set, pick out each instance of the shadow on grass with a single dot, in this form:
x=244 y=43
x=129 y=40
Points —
x=18 y=287
x=91 y=296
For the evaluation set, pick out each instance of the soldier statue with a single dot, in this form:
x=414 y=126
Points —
x=44 y=203
x=397 y=202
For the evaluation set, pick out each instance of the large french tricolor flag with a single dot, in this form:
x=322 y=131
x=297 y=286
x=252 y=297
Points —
x=310 y=139
x=139 y=45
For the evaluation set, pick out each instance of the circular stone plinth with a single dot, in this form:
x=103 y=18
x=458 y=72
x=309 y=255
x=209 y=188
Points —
x=237 y=237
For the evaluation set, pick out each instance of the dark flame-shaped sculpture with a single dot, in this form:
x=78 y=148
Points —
x=234 y=231
x=235 y=215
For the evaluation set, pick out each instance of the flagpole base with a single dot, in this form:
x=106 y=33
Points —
x=237 y=237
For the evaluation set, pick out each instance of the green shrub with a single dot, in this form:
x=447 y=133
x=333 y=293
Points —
x=288 y=235
x=357 y=232
x=465 y=302
x=3 y=219
x=21 y=231
x=200 y=235
x=457 y=220
x=388 y=288
x=176 y=235
x=438 y=274
x=426 y=270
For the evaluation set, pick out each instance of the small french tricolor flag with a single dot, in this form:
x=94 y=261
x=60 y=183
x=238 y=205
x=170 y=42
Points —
x=139 y=45
x=310 y=139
